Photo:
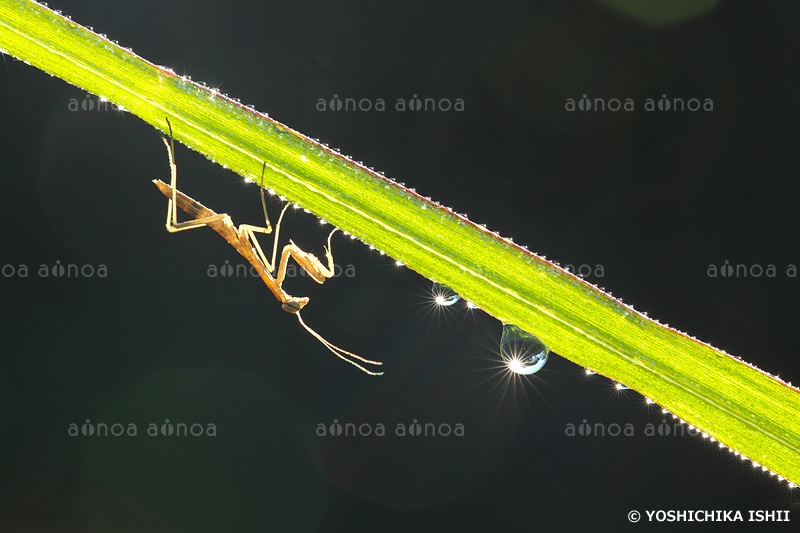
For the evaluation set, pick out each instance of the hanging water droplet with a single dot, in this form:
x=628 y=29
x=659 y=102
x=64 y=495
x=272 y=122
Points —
x=523 y=352
x=444 y=295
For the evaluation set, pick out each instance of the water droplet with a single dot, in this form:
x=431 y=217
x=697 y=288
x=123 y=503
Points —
x=444 y=295
x=523 y=352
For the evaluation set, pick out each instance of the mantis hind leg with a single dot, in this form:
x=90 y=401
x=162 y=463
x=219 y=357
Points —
x=173 y=226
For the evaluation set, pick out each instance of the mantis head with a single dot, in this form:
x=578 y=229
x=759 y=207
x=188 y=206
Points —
x=294 y=305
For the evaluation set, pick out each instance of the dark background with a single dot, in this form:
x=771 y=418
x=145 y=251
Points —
x=655 y=197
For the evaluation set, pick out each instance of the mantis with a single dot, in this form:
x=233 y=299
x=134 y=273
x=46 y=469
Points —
x=244 y=241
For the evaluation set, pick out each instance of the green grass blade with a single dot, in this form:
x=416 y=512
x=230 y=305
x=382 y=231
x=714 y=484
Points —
x=748 y=410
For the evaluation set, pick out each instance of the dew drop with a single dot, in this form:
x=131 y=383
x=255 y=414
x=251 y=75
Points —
x=444 y=295
x=523 y=352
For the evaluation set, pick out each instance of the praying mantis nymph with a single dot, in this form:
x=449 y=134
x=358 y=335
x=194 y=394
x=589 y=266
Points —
x=244 y=240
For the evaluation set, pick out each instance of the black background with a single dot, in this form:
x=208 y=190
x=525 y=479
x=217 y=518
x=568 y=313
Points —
x=655 y=197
